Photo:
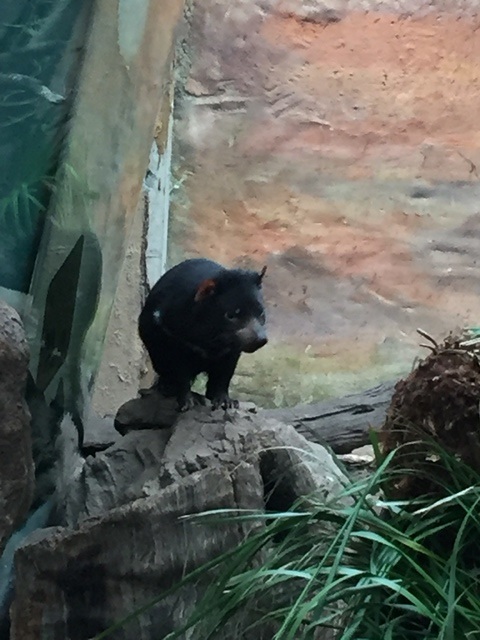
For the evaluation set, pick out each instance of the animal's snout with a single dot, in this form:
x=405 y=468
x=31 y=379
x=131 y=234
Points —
x=254 y=345
x=252 y=336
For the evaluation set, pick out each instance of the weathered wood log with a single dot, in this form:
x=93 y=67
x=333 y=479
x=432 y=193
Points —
x=341 y=423
x=139 y=488
x=125 y=538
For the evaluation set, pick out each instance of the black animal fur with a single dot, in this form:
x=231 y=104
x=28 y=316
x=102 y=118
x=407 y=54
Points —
x=199 y=317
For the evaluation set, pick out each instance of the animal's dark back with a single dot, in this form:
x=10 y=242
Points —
x=173 y=294
x=198 y=317
x=179 y=284
x=171 y=303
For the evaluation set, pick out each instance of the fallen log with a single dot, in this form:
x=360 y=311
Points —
x=341 y=423
x=125 y=519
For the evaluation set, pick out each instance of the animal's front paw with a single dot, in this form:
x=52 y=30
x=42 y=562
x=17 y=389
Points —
x=225 y=402
x=192 y=400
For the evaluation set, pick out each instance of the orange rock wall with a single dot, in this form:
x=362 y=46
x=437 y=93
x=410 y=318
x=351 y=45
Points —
x=339 y=142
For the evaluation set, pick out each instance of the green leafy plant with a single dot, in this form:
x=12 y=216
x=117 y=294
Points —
x=33 y=125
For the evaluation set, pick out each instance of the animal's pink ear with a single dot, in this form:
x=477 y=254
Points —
x=205 y=289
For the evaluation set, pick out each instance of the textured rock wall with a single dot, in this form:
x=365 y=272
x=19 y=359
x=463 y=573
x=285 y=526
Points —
x=339 y=142
x=16 y=464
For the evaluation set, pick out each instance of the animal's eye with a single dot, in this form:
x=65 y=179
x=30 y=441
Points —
x=233 y=315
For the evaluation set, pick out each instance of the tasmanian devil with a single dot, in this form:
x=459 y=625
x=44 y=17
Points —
x=199 y=317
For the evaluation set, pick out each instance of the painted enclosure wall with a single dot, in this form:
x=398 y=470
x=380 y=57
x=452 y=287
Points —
x=338 y=142
x=124 y=80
